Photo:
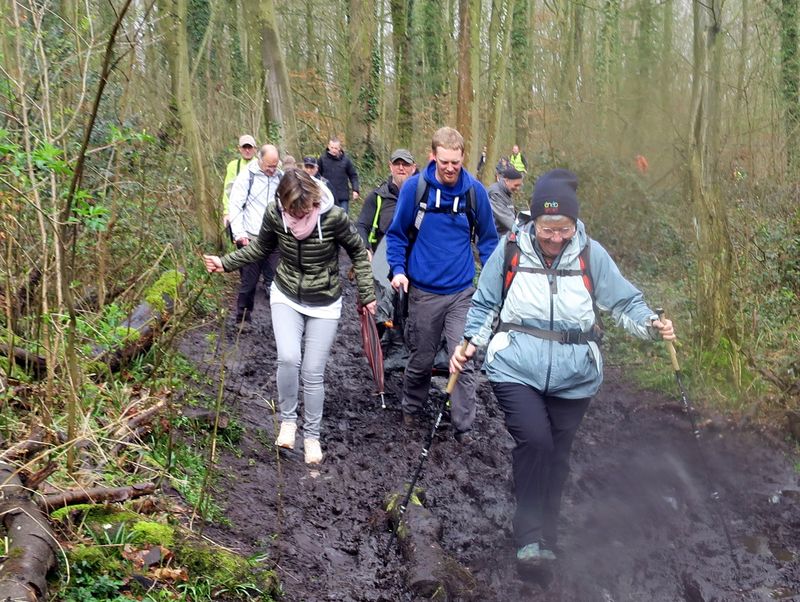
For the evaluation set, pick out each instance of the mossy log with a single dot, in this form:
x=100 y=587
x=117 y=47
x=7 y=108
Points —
x=431 y=572
x=32 y=545
x=145 y=323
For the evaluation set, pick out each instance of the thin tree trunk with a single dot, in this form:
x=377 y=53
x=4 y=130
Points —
x=401 y=16
x=790 y=82
x=467 y=74
x=714 y=248
x=281 y=104
x=497 y=76
x=177 y=48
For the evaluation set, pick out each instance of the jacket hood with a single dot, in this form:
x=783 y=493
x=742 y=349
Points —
x=338 y=157
x=326 y=200
x=388 y=190
x=461 y=186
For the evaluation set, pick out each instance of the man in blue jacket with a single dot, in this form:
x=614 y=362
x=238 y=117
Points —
x=429 y=250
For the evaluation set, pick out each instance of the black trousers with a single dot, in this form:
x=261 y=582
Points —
x=250 y=275
x=543 y=427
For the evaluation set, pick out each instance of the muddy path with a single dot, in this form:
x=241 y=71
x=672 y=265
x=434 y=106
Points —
x=639 y=521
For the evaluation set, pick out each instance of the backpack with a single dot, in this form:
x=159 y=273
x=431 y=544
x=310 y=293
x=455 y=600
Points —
x=421 y=199
x=510 y=269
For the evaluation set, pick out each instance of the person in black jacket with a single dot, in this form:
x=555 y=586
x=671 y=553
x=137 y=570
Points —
x=378 y=209
x=337 y=167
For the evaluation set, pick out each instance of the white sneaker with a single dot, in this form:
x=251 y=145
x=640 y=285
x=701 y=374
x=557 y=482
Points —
x=313 y=451
x=286 y=436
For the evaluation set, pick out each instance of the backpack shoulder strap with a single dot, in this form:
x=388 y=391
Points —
x=510 y=263
x=249 y=188
x=588 y=282
x=586 y=272
x=373 y=231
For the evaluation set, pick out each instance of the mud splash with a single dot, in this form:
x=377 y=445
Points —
x=638 y=522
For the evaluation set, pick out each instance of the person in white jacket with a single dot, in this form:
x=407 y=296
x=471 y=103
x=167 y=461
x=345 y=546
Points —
x=253 y=189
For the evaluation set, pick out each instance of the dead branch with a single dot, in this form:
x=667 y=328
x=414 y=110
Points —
x=95 y=495
x=32 y=481
x=35 y=443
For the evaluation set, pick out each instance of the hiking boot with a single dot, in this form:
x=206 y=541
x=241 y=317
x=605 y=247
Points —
x=286 y=436
x=313 y=451
x=533 y=554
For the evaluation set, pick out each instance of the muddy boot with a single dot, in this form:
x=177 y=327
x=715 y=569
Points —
x=534 y=555
x=313 y=451
x=287 y=435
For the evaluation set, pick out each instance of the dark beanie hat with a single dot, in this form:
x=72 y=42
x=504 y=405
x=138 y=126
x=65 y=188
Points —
x=509 y=173
x=555 y=193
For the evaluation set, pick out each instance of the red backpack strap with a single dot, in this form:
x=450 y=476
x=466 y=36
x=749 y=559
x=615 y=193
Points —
x=511 y=262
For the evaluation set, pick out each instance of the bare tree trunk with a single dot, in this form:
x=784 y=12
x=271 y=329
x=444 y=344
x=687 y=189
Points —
x=401 y=20
x=498 y=69
x=469 y=11
x=281 y=105
x=522 y=50
x=363 y=105
x=790 y=82
x=714 y=248
x=177 y=48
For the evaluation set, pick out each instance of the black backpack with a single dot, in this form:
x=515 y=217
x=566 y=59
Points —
x=421 y=199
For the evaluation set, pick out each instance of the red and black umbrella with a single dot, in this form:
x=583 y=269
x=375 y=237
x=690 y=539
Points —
x=372 y=349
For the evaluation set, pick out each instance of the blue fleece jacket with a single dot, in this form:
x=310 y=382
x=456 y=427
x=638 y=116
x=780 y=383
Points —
x=441 y=260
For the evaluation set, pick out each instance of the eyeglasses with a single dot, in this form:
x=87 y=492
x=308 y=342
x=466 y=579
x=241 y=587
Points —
x=248 y=146
x=547 y=233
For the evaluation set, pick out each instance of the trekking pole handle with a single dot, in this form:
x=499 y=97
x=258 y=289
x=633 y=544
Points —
x=451 y=382
x=673 y=355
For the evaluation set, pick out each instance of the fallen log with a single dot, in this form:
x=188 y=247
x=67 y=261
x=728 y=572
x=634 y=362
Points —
x=32 y=545
x=27 y=361
x=138 y=332
x=431 y=572
x=94 y=495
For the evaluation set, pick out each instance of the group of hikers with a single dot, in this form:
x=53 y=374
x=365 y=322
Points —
x=533 y=311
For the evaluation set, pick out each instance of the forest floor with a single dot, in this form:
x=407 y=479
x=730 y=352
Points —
x=639 y=520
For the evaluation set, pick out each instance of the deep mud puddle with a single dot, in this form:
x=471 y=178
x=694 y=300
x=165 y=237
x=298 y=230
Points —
x=644 y=516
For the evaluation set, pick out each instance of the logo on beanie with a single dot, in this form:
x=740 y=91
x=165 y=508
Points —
x=551 y=206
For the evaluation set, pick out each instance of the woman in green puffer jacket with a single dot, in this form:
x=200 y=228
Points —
x=306 y=295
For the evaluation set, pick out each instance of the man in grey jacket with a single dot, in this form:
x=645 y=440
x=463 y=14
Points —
x=252 y=190
x=501 y=198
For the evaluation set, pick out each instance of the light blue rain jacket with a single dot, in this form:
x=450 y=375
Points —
x=552 y=302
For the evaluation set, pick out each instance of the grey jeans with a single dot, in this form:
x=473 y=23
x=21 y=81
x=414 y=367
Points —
x=294 y=363
x=430 y=315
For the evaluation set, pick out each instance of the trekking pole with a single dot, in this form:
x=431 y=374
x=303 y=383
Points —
x=689 y=409
x=451 y=383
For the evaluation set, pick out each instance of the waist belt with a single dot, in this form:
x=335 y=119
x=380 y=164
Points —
x=570 y=337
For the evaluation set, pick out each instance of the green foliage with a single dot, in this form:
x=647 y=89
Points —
x=168 y=284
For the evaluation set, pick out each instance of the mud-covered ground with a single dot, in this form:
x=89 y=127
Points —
x=640 y=519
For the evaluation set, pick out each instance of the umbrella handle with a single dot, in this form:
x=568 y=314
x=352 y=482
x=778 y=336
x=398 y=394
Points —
x=451 y=382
